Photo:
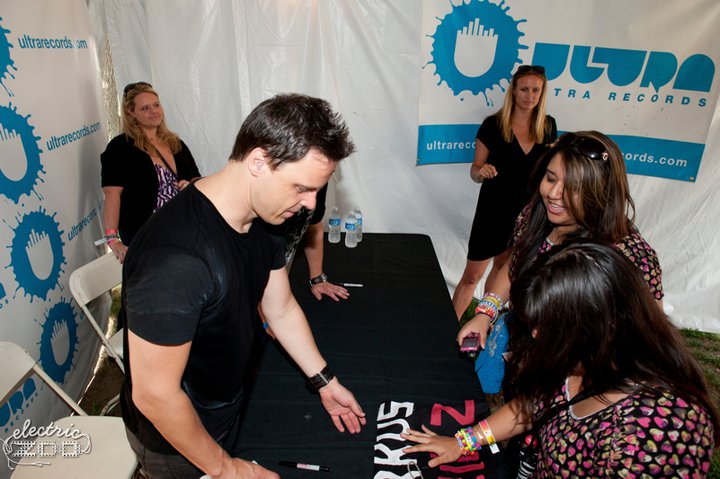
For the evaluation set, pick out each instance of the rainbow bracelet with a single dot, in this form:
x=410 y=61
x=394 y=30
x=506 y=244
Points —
x=467 y=441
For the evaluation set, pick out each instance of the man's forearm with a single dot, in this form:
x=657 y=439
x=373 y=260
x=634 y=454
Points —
x=176 y=419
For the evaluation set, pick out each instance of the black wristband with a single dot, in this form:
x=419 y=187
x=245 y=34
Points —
x=321 y=278
x=321 y=379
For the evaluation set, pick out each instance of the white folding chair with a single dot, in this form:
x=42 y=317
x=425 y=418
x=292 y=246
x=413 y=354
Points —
x=97 y=448
x=88 y=283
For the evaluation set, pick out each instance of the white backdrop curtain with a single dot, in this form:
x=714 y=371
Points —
x=212 y=61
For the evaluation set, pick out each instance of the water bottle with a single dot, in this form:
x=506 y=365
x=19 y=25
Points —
x=335 y=225
x=358 y=215
x=351 y=228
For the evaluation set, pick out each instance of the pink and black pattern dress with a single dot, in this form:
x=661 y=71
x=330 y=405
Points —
x=645 y=435
x=633 y=246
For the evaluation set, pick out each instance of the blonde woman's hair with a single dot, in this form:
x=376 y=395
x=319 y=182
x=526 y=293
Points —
x=132 y=129
x=539 y=127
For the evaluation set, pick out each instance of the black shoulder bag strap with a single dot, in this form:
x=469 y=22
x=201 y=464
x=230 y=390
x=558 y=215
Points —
x=167 y=165
x=581 y=396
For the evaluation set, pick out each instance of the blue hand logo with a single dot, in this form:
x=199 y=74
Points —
x=14 y=408
x=58 y=342
x=6 y=63
x=17 y=140
x=475 y=46
x=36 y=255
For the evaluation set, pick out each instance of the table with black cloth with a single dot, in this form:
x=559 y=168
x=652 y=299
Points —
x=393 y=339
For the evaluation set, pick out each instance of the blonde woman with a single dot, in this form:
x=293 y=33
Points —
x=508 y=145
x=142 y=168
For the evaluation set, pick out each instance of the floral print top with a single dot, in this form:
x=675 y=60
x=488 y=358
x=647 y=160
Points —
x=647 y=434
x=633 y=246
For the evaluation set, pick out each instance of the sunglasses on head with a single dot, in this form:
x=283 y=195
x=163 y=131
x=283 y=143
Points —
x=131 y=86
x=587 y=146
x=522 y=69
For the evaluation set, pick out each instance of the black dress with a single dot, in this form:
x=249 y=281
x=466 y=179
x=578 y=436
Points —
x=502 y=198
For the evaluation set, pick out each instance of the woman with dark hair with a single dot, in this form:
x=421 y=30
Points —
x=580 y=191
x=508 y=145
x=142 y=168
x=589 y=325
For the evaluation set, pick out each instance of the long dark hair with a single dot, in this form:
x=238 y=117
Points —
x=586 y=306
x=595 y=174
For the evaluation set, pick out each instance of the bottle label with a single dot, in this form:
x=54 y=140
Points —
x=350 y=226
x=334 y=221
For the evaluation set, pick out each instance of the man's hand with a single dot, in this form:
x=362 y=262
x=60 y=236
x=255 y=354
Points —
x=342 y=407
x=329 y=289
x=238 y=469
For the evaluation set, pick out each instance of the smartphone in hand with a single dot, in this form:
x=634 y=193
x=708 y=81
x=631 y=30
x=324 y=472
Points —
x=470 y=345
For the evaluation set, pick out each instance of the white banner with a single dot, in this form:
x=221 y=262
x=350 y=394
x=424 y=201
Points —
x=365 y=57
x=610 y=66
x=51 y=134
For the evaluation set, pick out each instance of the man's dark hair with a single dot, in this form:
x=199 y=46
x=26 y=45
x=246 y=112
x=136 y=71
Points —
x=288 y=125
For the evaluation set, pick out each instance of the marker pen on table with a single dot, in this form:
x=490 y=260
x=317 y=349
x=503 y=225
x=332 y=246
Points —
x=350 y=285
x=307 y=467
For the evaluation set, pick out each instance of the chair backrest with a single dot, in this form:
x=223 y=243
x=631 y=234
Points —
x=95 y=278
x=17 y=365
x=90 y=281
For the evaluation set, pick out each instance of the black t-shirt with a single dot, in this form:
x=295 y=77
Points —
x=190 y=277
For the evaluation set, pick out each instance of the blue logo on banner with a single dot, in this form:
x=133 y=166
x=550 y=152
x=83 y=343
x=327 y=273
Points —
x=14 y=408
x=475 y=46
x=37 y=254
x=6 y=63
x=624 y=67
x=18 y=142
x=58 y=342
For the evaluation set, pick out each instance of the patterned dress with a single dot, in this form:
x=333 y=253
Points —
x=633 y=246
x=648 y=434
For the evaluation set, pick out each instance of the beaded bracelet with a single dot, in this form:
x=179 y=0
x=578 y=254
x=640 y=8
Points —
x=321 y=379
x=489 y=438
x=493 y=298
x=489 y=308
x=467 y=440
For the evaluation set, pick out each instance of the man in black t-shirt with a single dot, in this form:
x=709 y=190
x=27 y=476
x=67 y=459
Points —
x=194 y=279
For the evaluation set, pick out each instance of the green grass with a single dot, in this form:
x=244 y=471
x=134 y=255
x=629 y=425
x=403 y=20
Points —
x=705 y=347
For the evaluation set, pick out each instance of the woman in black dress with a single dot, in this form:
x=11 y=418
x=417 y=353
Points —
x=508 y=145
x=142 y=168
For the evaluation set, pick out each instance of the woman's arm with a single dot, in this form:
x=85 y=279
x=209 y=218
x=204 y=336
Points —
x=480 y=324
x=111 y=219
x=506 y=422
x=480 y=169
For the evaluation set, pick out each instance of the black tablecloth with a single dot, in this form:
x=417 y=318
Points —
x=393 y=339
